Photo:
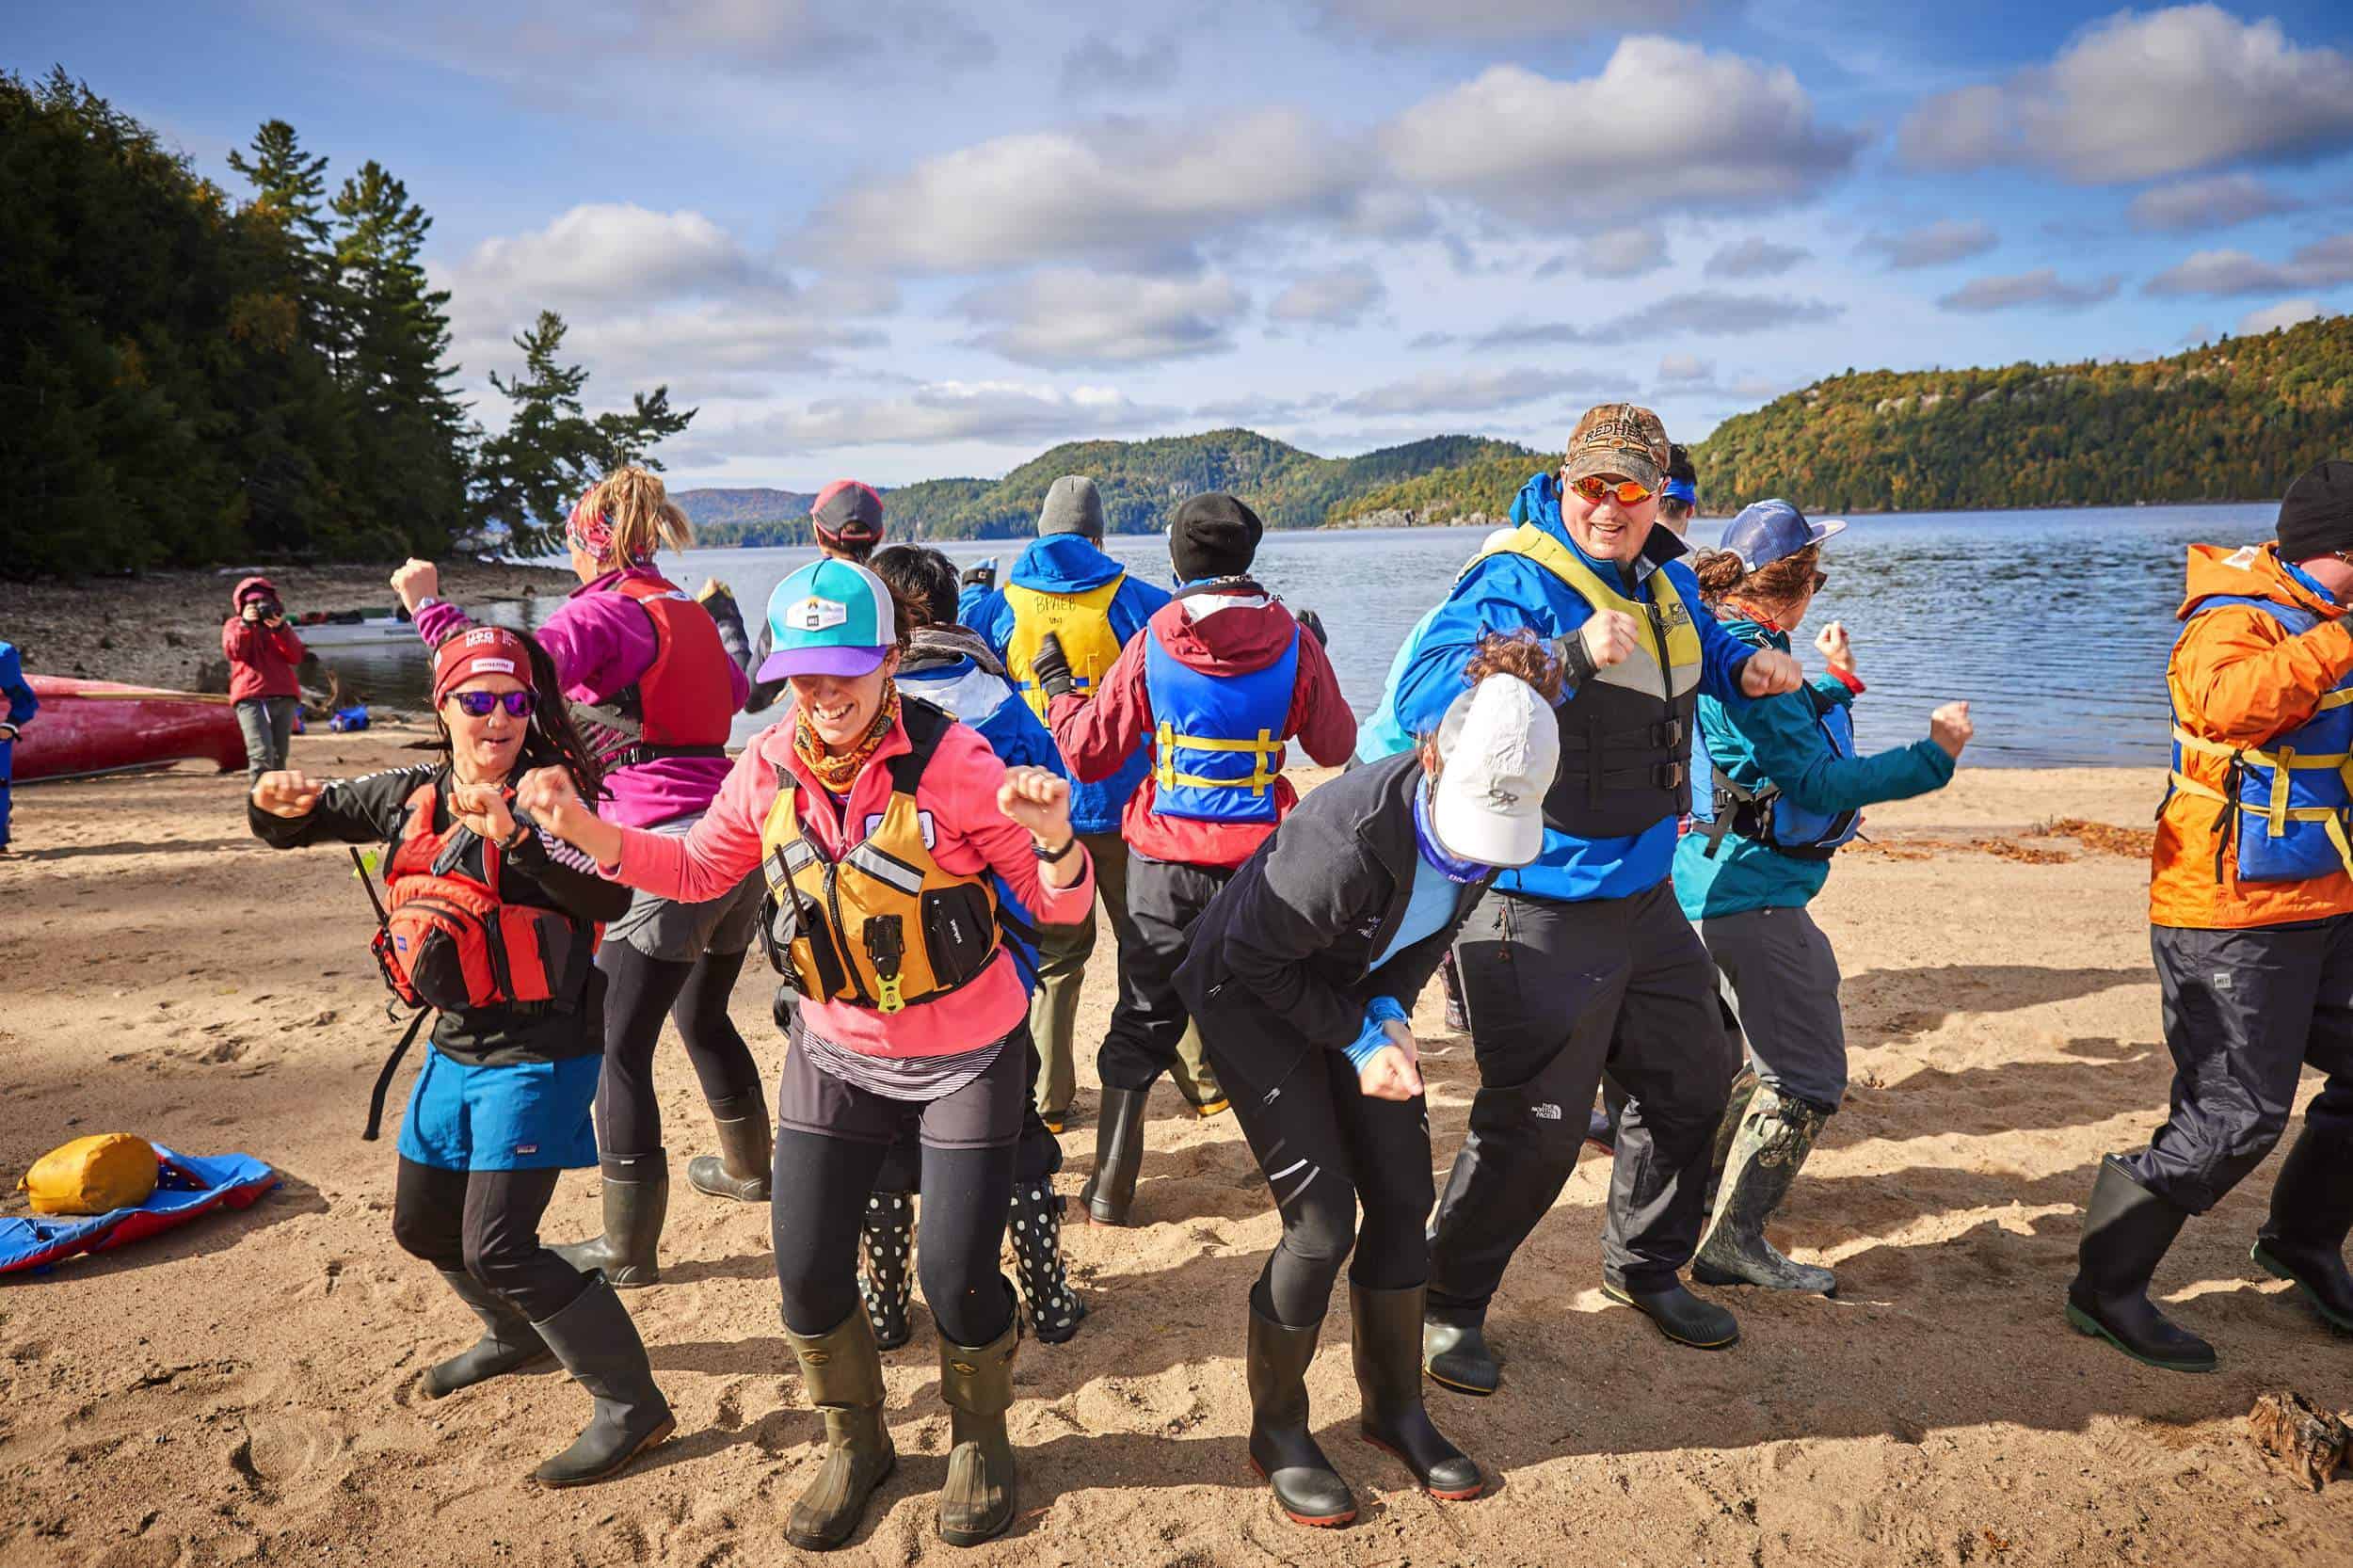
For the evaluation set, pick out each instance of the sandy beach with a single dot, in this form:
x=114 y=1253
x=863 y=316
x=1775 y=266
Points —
x=245 y=1390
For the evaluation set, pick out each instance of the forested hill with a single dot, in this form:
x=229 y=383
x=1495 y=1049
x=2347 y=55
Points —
x=2230 y=421
x=1141 y=482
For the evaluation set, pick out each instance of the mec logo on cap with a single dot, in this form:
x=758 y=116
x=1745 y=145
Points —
x=815 y=613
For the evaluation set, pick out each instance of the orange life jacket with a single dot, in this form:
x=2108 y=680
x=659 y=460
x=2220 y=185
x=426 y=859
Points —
x=682 y=705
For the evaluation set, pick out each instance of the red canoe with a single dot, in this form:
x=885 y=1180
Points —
x=88 y=727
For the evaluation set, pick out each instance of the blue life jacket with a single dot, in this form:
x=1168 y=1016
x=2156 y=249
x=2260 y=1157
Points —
x=2288 y=802
x=1217 y=739
x=1720 y=806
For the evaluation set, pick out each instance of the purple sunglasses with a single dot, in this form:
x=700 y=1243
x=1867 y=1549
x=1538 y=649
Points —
x=477 y=705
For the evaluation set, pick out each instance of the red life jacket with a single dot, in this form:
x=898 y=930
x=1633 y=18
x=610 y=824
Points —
x=445 y=939
x=682 y=706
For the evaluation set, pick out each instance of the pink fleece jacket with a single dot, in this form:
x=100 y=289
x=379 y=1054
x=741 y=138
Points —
x=957 y=793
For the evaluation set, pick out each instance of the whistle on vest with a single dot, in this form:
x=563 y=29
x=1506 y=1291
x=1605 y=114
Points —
x=887 y=948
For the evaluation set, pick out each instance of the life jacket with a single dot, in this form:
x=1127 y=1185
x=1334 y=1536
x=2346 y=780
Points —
x=1720 y=806
x=884 y=926
x=1626 y=733
x=2285 y=806
x=680 y=706
x=1217 y=739
x=1082 y=621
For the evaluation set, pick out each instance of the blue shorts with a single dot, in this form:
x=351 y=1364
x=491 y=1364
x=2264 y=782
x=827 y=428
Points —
x=529 y=1116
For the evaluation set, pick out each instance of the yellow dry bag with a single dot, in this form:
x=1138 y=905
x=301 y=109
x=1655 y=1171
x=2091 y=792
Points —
x=91 y=1176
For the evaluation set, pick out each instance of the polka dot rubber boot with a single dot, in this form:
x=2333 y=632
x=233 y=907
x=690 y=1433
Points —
x=888 y=1279
x=1035 y=1230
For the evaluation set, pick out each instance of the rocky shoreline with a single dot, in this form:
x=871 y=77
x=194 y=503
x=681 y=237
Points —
x=163 y=629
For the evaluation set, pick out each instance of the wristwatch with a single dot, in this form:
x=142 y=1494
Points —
x=1054 y=857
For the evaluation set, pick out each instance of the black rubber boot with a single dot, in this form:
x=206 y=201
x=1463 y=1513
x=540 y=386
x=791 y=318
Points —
x=2312 y=1212
x=1455 y=1353
x=1035 y=1230
x=886 y=1283
x=1385 y=1333
x=841 y=1373
x=508 y=1342
x=1680 y=1316
x=636 y=1198
x=976 y=1384
x=1777 y=1131
x=1744 y=1084
x=746 y=1149
x=1282 y=1451
x=598 y=1344
x=1111 y=1192
x=2127 y=1229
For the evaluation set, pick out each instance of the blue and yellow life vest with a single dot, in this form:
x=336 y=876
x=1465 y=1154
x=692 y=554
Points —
x=1080 y=621
x=2287 y=805
x=1217 y=739
x=1720 y=806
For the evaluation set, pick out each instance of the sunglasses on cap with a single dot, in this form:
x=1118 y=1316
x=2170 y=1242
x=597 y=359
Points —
x=477 y=705
x=1626 y=491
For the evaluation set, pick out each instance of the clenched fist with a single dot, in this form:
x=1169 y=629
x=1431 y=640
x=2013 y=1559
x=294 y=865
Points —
x=415 y=582
x=1039 y=801
x=288 y=794
x=1950 y=729
x=483 y=808
x=1395 y=1071
x=1837 y=652
x=1770 y=672
x=1608 y=636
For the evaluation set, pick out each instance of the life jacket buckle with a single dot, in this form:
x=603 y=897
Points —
x=886 y=946
x=1668 y=775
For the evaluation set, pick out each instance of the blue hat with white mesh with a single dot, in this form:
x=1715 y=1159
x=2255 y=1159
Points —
x=830 y=618
x=1765 y=531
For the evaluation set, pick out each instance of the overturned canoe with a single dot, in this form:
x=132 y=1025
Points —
x=88 y=727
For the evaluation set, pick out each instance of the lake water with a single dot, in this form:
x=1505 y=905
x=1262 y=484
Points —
x=2054 y=624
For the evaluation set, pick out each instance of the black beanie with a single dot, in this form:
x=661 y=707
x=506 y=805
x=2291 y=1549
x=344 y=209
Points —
x=1213 y=536
x=2316 y=514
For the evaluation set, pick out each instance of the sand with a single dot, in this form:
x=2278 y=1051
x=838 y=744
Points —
x=246 y=1389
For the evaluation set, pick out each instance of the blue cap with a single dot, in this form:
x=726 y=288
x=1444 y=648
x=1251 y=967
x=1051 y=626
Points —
x=830 y=618
x=1765 y=531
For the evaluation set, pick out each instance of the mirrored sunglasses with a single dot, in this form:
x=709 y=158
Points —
x=1626 y=491
x=477 y=705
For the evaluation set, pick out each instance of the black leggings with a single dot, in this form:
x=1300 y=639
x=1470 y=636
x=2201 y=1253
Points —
x=1324 y=1144
x=821 y=1185
x=640 y=992
x=486 y=1223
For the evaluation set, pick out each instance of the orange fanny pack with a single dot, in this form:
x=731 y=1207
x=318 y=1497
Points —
x=447 y=942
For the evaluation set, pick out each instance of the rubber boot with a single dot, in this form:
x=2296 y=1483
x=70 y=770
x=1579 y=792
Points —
x=1111 y=1192
x=1037 y=1267
x=1455 y=1353
x=1744 y=1084
x=2312 y=1212
x=637 y=1197
x=1457 y=1016
x=2127 y=1229
x=1679 y=1315
x=842 y=1372
x=1385 y=1333
x=976 y=1384
x=1776 y=1134
x=887 y=1281
x=1282 y=1451
x=598 y=1344
x=746 y=1149
x=508 y=1342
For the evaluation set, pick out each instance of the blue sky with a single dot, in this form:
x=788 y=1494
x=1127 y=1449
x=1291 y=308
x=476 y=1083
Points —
x=907 y=238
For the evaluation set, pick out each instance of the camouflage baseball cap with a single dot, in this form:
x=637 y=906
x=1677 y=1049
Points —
x=1618 y=438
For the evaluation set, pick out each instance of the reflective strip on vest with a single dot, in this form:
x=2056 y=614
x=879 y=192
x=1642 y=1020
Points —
x=1080 y=621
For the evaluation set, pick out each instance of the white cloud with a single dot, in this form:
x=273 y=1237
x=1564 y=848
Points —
x=1553 y=154
x=1935 y=244
x=1495 y=20
x=1626 y=252
x=2042 y=286
x=1710 y=310
x=950 y=412
x=1116 y=190
x=1686 y=368
x=1337 y=297
x=2323 y=264
x=2272 y=317
x=616 y=251
x=1482 y=390
x=2219 y=202
x=1065 y=317
x=2137 y=97
x=1754 y=257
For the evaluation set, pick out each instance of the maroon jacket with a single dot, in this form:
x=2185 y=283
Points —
x=262 y=659
x=1236 y=630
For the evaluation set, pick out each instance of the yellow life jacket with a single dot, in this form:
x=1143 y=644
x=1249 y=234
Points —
x=884 y=926
x=1084 y=623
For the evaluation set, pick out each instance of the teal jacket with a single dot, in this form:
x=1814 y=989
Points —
x=1776 y=741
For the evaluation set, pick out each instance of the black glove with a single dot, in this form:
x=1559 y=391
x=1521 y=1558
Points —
x=1314 y=623
x=1052 y=667
x=981 y=576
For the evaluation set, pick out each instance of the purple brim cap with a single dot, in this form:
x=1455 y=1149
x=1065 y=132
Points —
x=822 y=661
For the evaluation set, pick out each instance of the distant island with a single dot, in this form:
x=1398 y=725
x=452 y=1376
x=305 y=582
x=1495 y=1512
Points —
x=2226 y=420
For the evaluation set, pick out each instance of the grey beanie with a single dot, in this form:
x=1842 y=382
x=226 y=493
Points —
x=1071 y=507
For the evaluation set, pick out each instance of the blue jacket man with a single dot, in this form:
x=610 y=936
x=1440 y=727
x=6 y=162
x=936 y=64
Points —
x=23 y=705
x=1582 y=963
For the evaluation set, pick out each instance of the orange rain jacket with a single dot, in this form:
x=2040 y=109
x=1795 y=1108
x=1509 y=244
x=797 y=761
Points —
x=2239 y=678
